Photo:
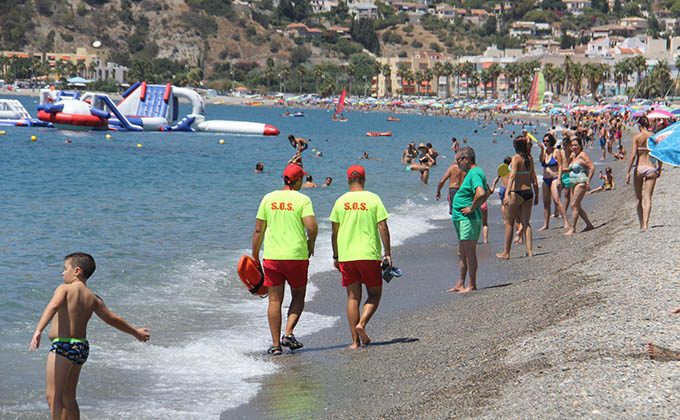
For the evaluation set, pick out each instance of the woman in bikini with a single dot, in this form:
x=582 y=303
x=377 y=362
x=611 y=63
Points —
x=521 y=192
x=551 y=170
x=646 y=172
x=581 y=171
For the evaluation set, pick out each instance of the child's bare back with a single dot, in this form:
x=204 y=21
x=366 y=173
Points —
x=73 y=315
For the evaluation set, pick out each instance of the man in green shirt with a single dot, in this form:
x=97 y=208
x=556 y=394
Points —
x=467 y=217
x=359 y=225
x=282 y=218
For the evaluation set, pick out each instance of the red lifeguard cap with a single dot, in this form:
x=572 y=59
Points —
x=293 y=172
x=356 y=171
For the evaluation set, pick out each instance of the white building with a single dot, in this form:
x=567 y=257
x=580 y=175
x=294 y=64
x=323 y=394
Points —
x=576 y=6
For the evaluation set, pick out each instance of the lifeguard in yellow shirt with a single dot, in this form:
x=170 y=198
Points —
x=282 y=219
x=359 y=223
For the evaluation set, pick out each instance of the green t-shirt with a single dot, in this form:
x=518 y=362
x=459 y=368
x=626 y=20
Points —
x=358 y=214
x=466 y=194
x=285 y=237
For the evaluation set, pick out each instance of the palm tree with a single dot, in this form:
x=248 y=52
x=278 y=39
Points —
x=387 y=74
x=619 y=74
x=437 y=71
x=568 y=63
x=640 y=65
x=512 y=71
x=474 y=78
x=301 y=72
x=419 y=78
x=468 y=69
x=548 y=72
x=410 y=78
x=458 y=71
x=596 y=74
x=575 y=78
x=486 y=77
x=402 y=71
x=318 y=75
x=448 y=71
x=558 y=77
x=285 y=74
x=351 y=72
x=495 y=70
x=428 y=74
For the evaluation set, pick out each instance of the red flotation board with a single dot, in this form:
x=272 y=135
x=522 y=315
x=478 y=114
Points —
x=251 y=276
x=376 y=134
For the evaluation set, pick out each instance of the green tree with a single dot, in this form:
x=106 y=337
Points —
x=301 y=73
x=363 y=31
x=387 y=74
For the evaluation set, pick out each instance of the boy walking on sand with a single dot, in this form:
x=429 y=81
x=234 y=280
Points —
x=359 y=224
x=73 y=303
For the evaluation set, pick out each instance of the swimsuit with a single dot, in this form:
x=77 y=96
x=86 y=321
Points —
x=452 y=193
x=74 y=349
x=578 y=174
x=549 y=181
x=501 y=193
x=551 y=162
x=646 y=171
x=526 y=195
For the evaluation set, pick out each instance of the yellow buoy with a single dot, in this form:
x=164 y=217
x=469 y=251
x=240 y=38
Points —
x=34 y=138
x=3 y=132
x=313 y=150
x=221 y=141
x=108 y=137
x=139 y=145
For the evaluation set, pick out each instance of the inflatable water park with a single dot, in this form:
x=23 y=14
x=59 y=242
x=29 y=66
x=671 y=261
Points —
x=13 y=113
x=144 y=107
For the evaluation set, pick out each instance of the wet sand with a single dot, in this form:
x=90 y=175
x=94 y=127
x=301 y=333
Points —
x=440 y=355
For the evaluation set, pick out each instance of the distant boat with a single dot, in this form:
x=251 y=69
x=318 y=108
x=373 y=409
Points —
x=391 y=118
x=341 y=105
x=253 y=103
x=378 y=134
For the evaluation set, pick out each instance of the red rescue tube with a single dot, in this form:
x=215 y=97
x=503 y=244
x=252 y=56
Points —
x=251 y=275
x=142 y=94
x=376 y=134
x=168 y=91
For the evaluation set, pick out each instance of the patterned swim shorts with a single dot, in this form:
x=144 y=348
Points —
x=73 y=349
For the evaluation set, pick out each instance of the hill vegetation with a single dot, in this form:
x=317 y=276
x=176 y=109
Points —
x=224 y=43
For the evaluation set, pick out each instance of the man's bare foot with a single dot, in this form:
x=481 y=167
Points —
x=587 y=228
x=541 y=228
x=569 y=232
x=529 y=254
x=365 y=339
x=455 y=288
x=468 y=289
x=354 y=346
x=566 y=226
x=676 y=310
x=660 y=353
x=503 y=255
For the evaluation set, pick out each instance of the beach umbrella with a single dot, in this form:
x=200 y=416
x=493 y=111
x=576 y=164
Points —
x=675 y=111
x=659 y=114
x=665 y=145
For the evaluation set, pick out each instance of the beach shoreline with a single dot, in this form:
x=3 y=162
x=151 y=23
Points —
x=462 y=356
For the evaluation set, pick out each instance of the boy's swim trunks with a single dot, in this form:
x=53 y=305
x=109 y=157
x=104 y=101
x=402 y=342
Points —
x=74 y=349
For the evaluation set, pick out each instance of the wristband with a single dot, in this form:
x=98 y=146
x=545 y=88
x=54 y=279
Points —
x=335 y=257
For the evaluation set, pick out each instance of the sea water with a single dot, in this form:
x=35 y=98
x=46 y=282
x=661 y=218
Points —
x=166 y=223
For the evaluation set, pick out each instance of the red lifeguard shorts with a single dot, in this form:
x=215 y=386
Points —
x=368 y=272
x=276 y=272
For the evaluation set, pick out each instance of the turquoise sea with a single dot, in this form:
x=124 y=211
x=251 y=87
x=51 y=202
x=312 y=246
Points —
x=166 y=223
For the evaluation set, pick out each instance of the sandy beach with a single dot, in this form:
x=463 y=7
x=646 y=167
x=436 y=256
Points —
x=559 y=335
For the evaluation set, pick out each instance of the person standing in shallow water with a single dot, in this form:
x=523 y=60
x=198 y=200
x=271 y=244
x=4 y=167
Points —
x=467 y=217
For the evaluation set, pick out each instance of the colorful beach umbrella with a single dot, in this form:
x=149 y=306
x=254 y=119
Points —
x=665 y=145
x=659 y=114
